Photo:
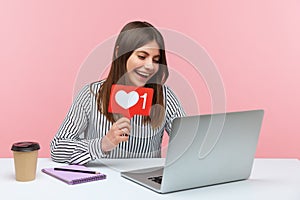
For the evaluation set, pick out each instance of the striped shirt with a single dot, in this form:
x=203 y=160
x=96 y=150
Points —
x=79 y=137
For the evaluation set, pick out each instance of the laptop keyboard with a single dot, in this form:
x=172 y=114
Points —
x=156 y=179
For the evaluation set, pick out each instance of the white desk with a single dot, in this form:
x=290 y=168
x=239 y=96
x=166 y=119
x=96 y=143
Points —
x=270 y=179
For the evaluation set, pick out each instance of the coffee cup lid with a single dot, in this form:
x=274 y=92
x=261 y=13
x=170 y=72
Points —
x=25 y=146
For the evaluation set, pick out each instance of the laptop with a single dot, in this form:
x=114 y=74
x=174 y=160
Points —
x=205 y=150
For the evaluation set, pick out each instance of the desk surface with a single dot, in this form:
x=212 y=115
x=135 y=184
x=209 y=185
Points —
x=270 y=179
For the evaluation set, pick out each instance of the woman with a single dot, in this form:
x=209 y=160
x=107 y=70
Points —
x=89 y=131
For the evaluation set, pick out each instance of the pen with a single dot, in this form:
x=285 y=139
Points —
x=76 y=170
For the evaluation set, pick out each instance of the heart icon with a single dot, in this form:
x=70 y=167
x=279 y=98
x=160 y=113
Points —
x=126 y=100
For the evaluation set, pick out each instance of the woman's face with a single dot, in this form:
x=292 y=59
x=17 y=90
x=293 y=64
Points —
x=142 y=64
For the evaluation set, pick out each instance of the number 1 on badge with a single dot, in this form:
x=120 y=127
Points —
x=144 y=101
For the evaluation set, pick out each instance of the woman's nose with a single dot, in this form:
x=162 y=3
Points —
x=149 y=65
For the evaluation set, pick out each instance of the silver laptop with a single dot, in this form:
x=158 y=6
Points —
x=205 y=150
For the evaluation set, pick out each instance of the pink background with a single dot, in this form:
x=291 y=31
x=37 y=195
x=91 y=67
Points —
x=254 y=43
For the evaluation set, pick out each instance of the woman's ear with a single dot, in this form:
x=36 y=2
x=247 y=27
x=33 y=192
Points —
x=116 y=51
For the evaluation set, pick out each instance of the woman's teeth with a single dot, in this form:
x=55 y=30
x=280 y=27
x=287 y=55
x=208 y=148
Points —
x=146 y=75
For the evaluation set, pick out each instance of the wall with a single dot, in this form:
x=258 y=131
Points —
x=255 y=45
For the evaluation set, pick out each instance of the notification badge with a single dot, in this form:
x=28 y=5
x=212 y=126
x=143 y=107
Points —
x=130 y=100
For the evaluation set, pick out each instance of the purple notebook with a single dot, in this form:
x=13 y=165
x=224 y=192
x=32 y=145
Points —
x=74 y=177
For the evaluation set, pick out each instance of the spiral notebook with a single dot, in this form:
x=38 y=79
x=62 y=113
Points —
x=72 y=178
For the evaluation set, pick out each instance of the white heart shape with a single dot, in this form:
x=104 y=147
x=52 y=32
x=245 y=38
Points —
x=126 y=100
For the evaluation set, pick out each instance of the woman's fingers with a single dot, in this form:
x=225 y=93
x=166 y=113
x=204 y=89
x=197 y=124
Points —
x=119 y=132
x=123 y=124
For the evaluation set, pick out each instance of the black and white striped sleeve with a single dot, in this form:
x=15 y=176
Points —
x=67 y=146
x=174 y=108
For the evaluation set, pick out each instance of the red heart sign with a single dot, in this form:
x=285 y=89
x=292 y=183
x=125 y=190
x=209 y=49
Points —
x=130 y=100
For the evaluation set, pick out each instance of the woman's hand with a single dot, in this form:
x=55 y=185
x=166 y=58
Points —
x=119 y=132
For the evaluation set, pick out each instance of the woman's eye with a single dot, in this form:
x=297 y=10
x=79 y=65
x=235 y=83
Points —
x=156 y=61
x=141 y=57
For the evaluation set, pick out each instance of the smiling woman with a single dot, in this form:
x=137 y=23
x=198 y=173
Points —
x=90 y=131
x=143 y=64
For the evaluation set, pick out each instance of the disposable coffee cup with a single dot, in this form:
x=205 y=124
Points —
x=25 y=160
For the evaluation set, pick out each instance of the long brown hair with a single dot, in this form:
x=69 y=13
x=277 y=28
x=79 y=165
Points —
x=133 y=36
